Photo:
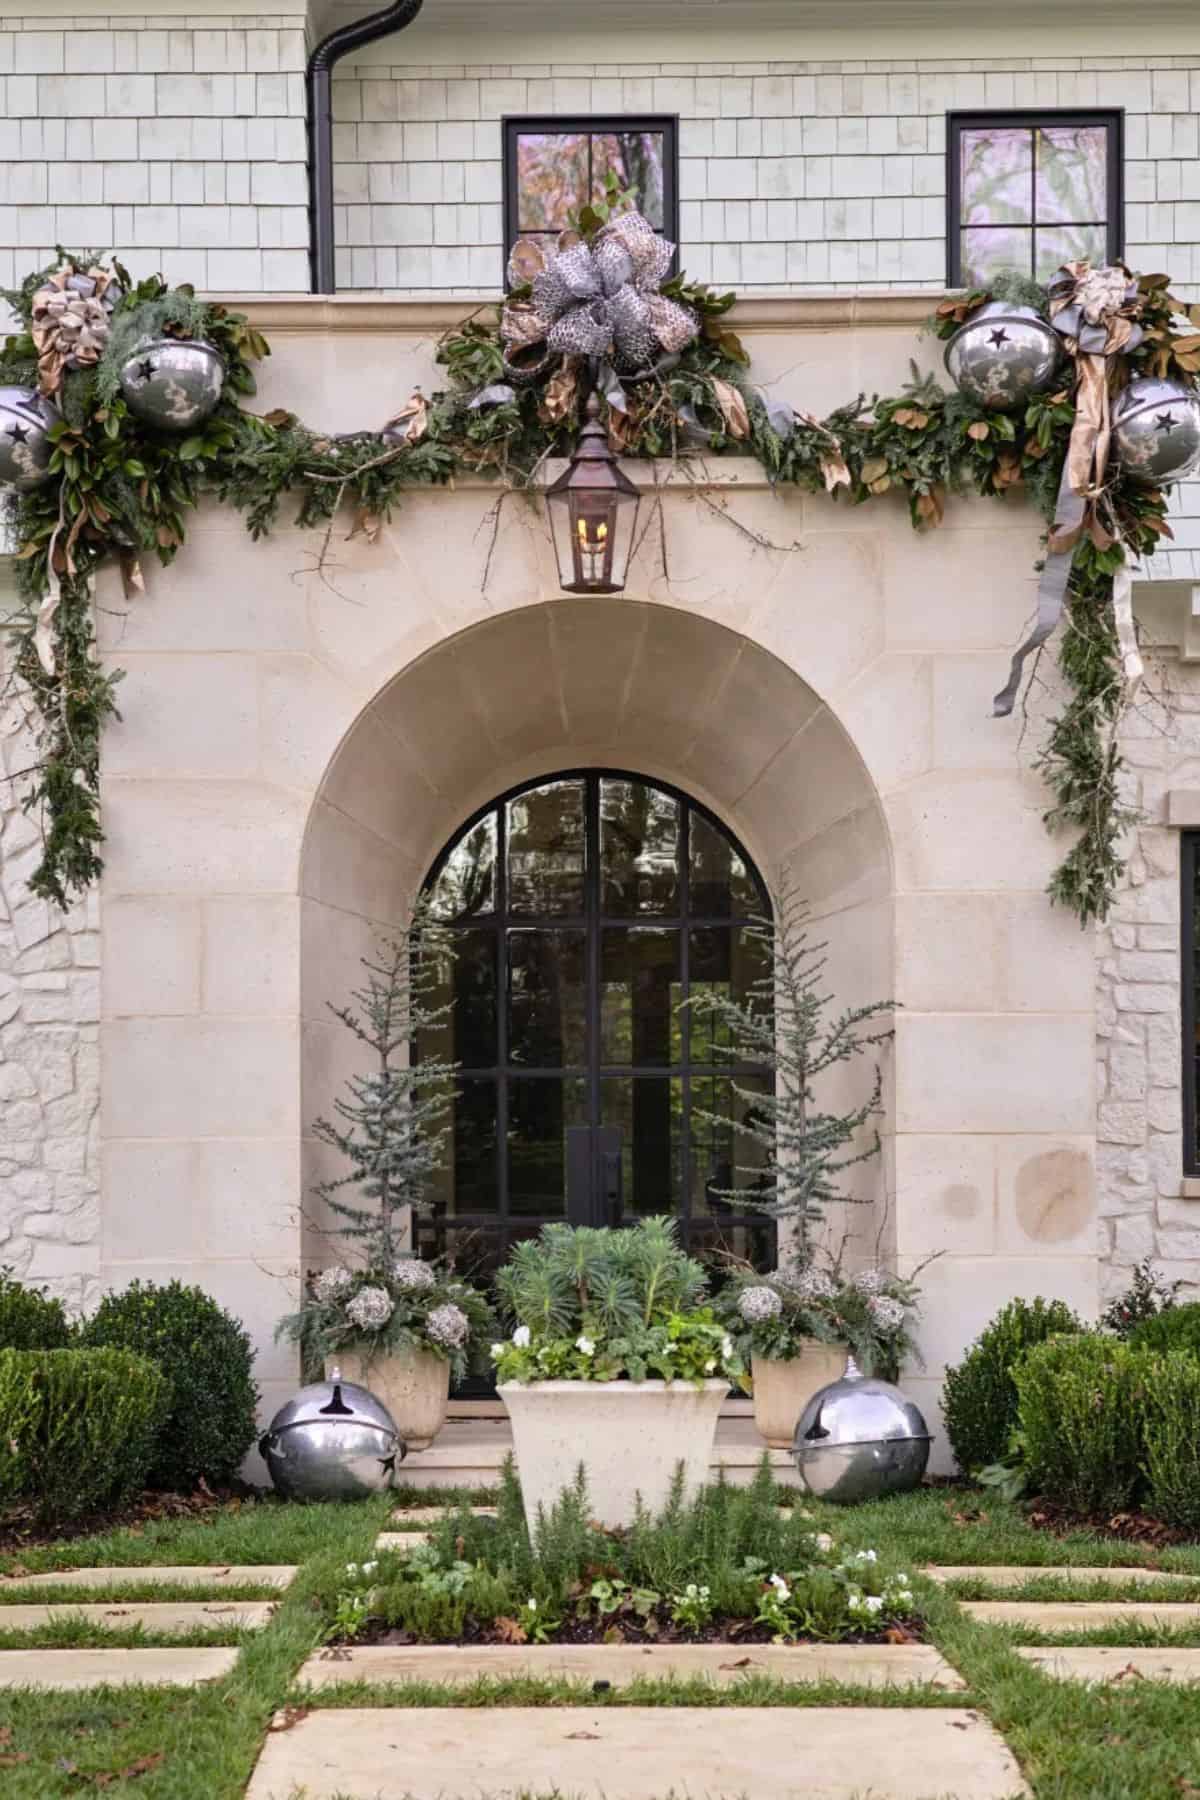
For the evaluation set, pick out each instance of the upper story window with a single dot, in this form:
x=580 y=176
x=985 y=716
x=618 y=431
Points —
x=554 y=167
x=1031 y=191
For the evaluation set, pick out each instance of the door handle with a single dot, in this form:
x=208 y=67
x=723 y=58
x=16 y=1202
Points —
x=610 y=1164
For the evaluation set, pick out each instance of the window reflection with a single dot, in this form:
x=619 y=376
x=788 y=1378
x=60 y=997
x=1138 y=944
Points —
x=640 y=994
x=467 y=882
x=1031 y=197
x=639 y=849
x=546 y=849
x=547 y=998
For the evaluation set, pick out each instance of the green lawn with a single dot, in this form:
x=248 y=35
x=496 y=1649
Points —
x=1132 y=1741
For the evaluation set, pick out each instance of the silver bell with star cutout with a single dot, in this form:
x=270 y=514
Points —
x=1156 y=424
x=1004 y=355
x=25 y=450
x=172 y=384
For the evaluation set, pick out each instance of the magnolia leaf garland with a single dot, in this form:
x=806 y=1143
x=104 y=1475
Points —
x=511 y=402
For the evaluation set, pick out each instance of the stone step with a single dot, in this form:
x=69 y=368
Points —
x=412 y=1518
x=1004 y=1575
x=214 y=1575
x=175 y=1617
x=864 y=1665
x=400 y=1540
x=469 y=1453
x=638 y=1753
x=1107 y=1663
x=178 y=1667
x=1085 y=1615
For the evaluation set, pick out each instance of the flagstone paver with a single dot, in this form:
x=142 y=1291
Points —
x=638 y=1753
x=1083 y=1615
x=1003 y=1575
x=1105 y=1662
x=214 y=1575
x=176 y=1617
x=412 y=1518
x=867 y=1665
x=167 y=1667
x=400 y=1540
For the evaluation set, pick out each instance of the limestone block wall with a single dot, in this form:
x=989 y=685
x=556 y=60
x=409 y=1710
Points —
x=792 y=174
x=49 y=1058
x=1146 y=1206
x=177 y=142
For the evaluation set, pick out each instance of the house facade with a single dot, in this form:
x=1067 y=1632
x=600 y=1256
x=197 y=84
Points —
x=786 y=683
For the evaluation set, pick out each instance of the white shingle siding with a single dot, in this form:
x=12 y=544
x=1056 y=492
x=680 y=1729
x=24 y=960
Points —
x=181 y=145
x=790 y=175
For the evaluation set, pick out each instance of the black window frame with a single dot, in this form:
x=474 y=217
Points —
x=1189 y=947
x=1112 y=118
x=596 y=124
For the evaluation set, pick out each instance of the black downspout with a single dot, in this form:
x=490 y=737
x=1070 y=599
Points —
x=320 y=127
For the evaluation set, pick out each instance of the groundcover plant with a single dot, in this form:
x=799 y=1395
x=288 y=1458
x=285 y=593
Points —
x=728 y=1564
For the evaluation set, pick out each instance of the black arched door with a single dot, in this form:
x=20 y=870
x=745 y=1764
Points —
x=586 y=908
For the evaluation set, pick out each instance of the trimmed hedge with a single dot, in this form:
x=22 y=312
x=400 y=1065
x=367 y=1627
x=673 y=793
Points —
x=29 y=1318
x=979 y=1399
x=207 y=1358
x=1172 y=1438
x=1082 y=1409
x=77 y=1428
x=1178 y=1328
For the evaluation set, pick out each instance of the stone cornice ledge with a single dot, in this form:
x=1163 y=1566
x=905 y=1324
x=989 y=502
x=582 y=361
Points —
x=374 y=313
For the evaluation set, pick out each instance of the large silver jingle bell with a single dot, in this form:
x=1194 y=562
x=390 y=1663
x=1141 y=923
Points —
x=332 y=1441
x=172 y=383
x=860 y=1438
x=1003 y=355
x=25 y=418
x=1156 y=424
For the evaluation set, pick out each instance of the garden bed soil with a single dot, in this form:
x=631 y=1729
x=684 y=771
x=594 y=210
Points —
x=21 y=1530
x=1129 y=1527
x=732 y=1631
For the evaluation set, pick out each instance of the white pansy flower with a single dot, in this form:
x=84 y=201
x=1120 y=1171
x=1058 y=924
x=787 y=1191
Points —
x=584 y=1345
x=369 y=1568
x=520 y=1337
x=727 y=1346
x=710 y=1365
x=497 y=1351
x=781 y=1587
x=352 y=1568
x=531 y=1605
x=874 y=1603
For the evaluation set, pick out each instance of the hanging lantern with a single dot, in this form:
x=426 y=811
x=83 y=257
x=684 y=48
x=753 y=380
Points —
x=593 y=514
x=1003 y=355
x=1156 y=423
x=172 y=383
x=25 y=449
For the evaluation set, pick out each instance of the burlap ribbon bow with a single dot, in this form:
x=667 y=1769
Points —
x=70 y=323
x=600 y=298
x=1093 y=312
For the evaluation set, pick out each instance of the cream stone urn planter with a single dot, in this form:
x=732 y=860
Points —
x=783 y=1389
x=630 y=1437
x=414 y=1385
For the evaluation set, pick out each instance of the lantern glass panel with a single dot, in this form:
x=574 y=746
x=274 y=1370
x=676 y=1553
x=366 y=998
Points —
x=593 y=534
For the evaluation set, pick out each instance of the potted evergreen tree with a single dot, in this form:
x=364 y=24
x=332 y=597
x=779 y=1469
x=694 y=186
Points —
x=387 y=1319
x=785 y=1025
x=616 y=1361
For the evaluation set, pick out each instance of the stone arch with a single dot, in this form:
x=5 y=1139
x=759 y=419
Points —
x=655 y=689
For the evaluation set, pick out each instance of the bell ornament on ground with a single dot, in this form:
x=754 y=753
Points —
x=173 y=384
x=25 y=418
x=332 y=1441
x=1156 y=424
x=858 y=1439
x=1003 y=355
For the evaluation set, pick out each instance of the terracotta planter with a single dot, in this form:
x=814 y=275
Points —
x=414 y=1385
x=630 y=1437
x=783 y=1389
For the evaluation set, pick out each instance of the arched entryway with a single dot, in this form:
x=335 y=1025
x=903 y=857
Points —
x=587 y=911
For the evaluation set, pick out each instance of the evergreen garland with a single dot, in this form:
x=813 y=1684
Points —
x=125 y=490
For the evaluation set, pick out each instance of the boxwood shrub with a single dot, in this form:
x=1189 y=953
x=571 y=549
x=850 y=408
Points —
x=1082 y=1410
x=206 y=1357
x=1172 y=1438
x=29 y=1318
x=1178 y=1328
x=77 y=1428
x=980 y=1397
